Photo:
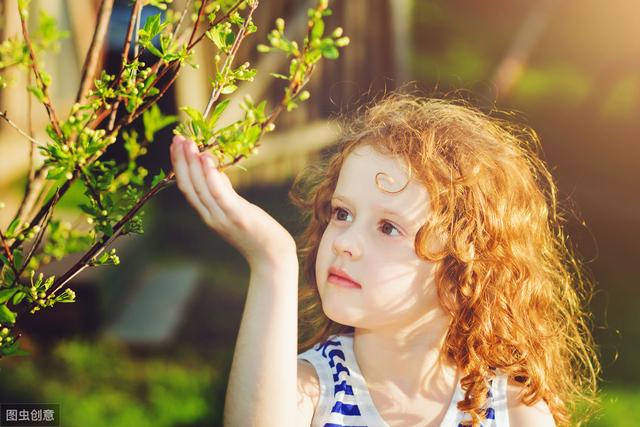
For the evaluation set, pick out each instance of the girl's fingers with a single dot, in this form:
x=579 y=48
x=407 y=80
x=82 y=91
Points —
x=183 y=178
x=198 y=181
x=219 y=186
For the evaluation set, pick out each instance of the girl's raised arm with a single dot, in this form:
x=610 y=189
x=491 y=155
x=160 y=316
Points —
x=262 y=389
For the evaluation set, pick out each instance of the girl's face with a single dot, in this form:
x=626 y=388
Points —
x=371 y=238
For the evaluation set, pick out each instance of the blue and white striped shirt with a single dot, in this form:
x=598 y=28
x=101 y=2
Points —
x=345 y=401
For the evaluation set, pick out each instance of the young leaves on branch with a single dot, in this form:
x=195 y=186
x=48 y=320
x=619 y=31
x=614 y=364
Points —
x=115 y=193
x=15 y=52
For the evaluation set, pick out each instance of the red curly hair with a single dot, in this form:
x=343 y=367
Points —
x=514 y=290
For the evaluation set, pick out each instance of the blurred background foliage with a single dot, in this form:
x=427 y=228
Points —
x=569 y=69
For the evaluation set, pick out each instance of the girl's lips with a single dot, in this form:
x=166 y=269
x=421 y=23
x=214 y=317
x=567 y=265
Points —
x=342 y=282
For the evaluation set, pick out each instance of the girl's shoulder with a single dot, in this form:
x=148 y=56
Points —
x=331 y=342
x=308 y=389
x=521 y=414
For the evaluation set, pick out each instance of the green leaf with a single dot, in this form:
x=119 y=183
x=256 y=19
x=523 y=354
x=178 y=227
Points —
x=230 y=38
x=47 y=283
x=216 y=36
x=291 y=105
x=6 y=315
x=17 y=259
x=330 y=52
x=154 y=50
x=67 y=296
x=252 y=134
x=318 y=30
x=217 y=112
x=37 y=92
x=12 y=227
x=88 y=209
x=152 y=27
x=157 y=178
x=160 y=4
x=194 y=114
x=314 y=56
x=18 y=297
x=23 y=6
x=279 y=76
x=9 y=275
x=56 y=173
x=154 y=121
x=13 y=350
x=228 y=89
x=6 y=294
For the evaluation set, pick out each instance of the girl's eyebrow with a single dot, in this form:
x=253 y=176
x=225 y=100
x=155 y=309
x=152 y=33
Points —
x=379 y=207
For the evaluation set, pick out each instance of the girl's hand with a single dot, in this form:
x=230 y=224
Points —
x=253 y=232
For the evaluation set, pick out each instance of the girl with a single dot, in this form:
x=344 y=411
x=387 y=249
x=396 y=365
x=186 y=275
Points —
x=437 y=289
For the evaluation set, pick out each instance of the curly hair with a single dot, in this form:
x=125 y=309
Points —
x=513 y=288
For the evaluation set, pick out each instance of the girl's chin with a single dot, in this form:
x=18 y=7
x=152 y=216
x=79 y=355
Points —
x=338 y=316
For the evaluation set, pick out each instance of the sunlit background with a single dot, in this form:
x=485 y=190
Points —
x=150 y=342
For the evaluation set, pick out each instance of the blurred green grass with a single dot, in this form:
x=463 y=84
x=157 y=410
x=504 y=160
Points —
x=618 y=408
x=102 y=383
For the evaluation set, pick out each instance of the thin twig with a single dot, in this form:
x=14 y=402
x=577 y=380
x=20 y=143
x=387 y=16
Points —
x=135 y=11
x=45 y=209
x=215 y=94
x=38 y=238
x=179 y=24
x=31 y=198
x=31 y=177
x=193 y=42
x=95 y=49
x=31 y=134
x=127 y=41
x=137 y=33
x=195 y=25
x=3 y=115
x=91 y=188
x=9 y=253
x=51 y=111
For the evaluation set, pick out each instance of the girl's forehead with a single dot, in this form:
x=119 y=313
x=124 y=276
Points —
x=391 y=172
x=375 y=179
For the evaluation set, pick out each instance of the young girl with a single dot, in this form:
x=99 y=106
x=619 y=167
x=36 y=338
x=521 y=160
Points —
x=437 y=289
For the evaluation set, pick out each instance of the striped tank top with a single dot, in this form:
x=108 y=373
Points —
x=345 y=401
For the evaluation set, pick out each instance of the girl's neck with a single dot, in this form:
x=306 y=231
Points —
x=406 y=359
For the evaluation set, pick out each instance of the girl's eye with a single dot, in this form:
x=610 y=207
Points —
x=387 y=228
x=339 y=213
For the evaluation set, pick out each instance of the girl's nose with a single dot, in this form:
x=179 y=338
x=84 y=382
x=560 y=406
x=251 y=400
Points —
x=344 y=244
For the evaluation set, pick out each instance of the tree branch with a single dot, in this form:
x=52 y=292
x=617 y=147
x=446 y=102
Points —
x=99 y=246
x=53 y=117
x=200 y=13
x=38 y=238
x=45 y=209
x=95 y=49
x=179 y=24
x=215 y=94
x=3 y=115
x=135 y=12
x=193 y=42
x=9 y=253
